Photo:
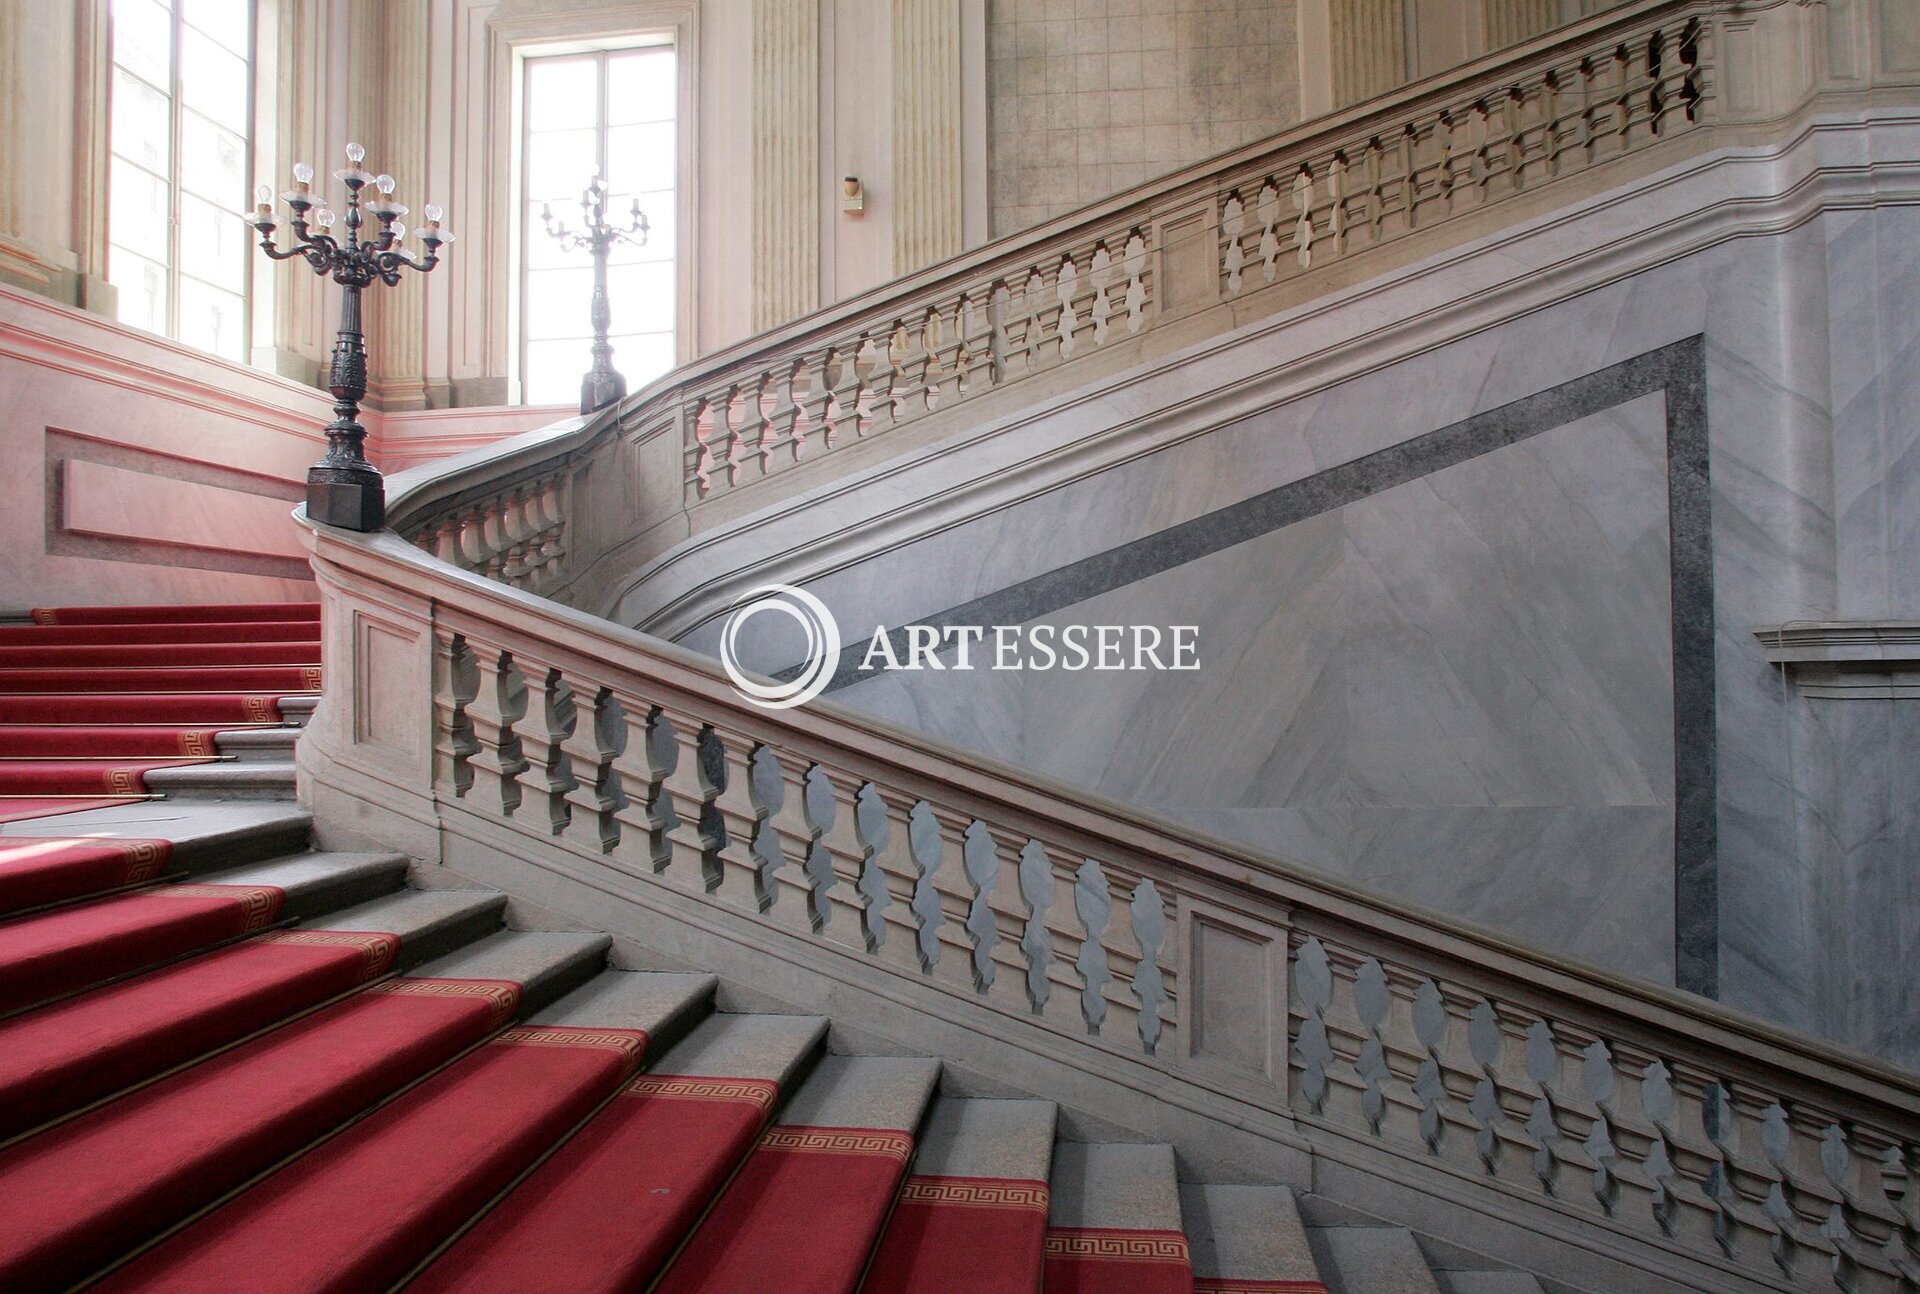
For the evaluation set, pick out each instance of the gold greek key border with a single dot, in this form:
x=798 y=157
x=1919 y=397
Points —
x=1117 y=1245
x=630 y=1043
x=839 y=1141
x=261 y=902
x=504 y=996
x=377 y=948
x=758 y=1092
x=1228 y=1285
x=976 y=1193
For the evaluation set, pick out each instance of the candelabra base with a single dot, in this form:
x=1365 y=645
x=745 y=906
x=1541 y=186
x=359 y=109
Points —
x=345 y=497
x=598 y=390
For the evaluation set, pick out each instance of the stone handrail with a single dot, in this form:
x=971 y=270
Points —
x=1710 y=1147
x=1218 y=234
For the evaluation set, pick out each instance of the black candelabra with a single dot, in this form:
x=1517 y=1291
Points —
x=343 y=488
x=603 y=384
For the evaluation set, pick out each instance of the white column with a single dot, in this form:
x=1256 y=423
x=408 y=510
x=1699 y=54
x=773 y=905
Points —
x=786 y=159
x=1508 y=22
x=398 y=358
x=927 y=161
x=1369 y=45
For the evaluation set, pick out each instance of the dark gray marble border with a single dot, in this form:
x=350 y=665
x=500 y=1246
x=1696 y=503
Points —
x=1678 y=371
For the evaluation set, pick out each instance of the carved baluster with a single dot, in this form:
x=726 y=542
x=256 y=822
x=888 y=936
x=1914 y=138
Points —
x=1009 y=337
x=1776 y=1144
x=1407 y=183
x=1892 y=1182
x=844 y=373
x=1266 y=209
x=1716 y=1118
x=1149 y=921
x=1337 y=204
x=548 y=770
x=446 y=539
x=875 y=365
x=510 y=537
x=976 y=367
x=733 y=432
x=662 y=750
x=980 y=856
x=811 y=394
x=1370 y=1002
x=1036 y=889
x=816 y=803
x=1838 y=1230
x=1485 y=1040
x=942 y=373
x=1103 y=276
x=493 y=538
x=1135 y=261
x=1656 y=91
x=767 y=792
x=1303 y=224
x=1233 y=217
x=456 y=684
x=553 y=512
x=1656 y=1099
x=872 y=829
x=499 y=704
x=705 y=461
x=592 y=747
x=773 y=411
x=1543 y=1067
x=1371 y=176
x=1066 y=285
x=1313 y=1048
x=1093 y=904
x=1690 y=92
x=925 y=850
x=1597 y=1076
x=1033 y=307
x=1429 y=1082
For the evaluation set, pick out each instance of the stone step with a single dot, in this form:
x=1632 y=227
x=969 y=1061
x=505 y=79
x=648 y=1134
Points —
x=665 y=1006
x=1114 y=1187
x=204 y=835
x=1465 y=1282
x=1371 y=1260
x=258 y=745
x=987 y=1138
x=546 y=966
x=229 y=779
x=889 y=1092
x=1247 y=1233
x=298 y=710
x=315 y=883
x=779 y=1048
x=430 y=923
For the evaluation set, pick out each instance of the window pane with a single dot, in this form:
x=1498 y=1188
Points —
x=554 y=370
x=642 y=359
x=558 y=303
x=227 y=21
x=213 y=162
x=138 y=212
x=642 y=297
x=213 y=80
x=640 y=86
x=142 y=285
x=140 y=116
x=213 y=244
x=213 y=320
x=560 y=165
x=641 y=158
x=562 y=94
x=544 y=251
x=143 y=39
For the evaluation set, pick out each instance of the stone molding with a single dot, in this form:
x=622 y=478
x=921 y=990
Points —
x=1848 y=660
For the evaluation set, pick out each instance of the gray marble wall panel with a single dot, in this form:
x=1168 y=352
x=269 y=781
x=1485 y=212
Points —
x=1811 y=341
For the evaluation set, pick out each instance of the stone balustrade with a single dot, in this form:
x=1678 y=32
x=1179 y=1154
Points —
x=1704 y=1143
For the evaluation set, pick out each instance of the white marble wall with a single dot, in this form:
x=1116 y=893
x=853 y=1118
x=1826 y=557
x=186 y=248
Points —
x=1459 y=689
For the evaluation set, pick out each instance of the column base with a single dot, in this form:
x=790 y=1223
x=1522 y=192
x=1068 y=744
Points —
x=347 y=499
x=598 y=390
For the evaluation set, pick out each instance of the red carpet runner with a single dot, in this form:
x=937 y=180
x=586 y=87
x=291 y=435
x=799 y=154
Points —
x=94 y=698
x=57 y=952
x=37 y=870
x=358 y=1212
x=604 y=1213
x=962 y=1235
x=1101 y=1260
x=800 y=1216
x=65 y=1056
x=110 y=1179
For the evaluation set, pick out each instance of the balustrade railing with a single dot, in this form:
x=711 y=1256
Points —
x=1761 y=1155
x=1214 y=235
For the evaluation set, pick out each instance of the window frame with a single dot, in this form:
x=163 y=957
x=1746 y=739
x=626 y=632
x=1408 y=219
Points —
x=175 y=184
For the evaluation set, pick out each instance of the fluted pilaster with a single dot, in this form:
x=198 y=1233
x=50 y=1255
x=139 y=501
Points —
x=398 y=343
x=926 y=132
x=1508 y=22
x=786 y=160
x=1369 y=39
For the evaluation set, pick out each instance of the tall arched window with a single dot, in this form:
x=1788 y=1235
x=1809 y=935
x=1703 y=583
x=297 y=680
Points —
x=613 y=109
x=182 y=103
